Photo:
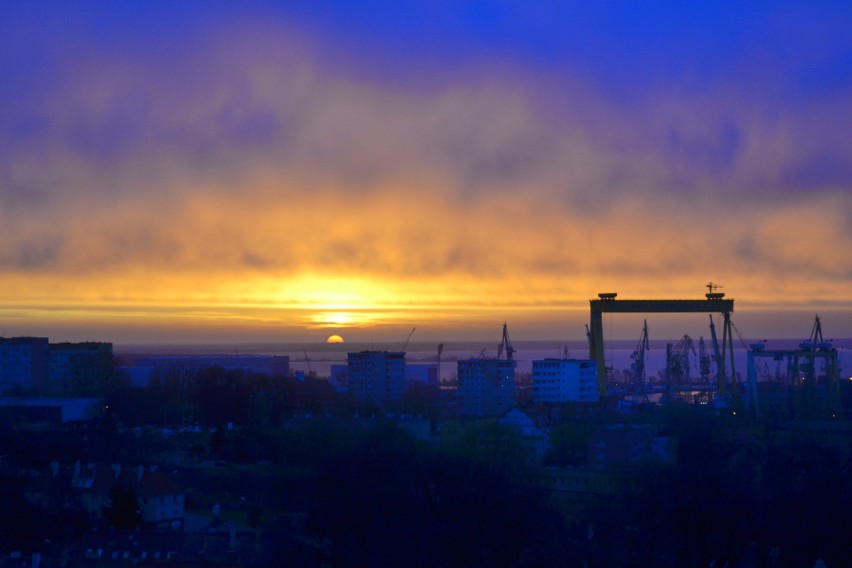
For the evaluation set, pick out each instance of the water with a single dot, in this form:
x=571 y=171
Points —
x=321 y=356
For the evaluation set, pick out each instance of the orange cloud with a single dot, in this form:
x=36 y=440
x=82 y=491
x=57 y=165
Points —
x=252 y=187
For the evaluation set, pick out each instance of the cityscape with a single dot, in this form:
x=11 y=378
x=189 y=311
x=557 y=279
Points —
x=131 y=457
x=425 y=284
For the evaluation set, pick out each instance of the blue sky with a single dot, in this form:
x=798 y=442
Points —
x=295 y=167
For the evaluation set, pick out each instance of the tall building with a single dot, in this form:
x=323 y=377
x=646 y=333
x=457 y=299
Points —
x=486 y=386
x=78 y=369
x=565 y=380
x=376 y=377
x=23 y=363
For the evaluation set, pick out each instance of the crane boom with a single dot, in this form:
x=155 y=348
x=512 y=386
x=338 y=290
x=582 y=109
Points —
x=717 y=355
x=407 y=339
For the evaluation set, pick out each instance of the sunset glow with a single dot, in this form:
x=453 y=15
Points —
x=255 y=183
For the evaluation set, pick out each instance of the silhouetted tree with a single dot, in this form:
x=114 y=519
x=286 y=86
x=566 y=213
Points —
x=392 y=502
x=123 y=512
x=217 y=443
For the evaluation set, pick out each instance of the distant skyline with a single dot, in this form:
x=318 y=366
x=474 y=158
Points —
x=267 y=171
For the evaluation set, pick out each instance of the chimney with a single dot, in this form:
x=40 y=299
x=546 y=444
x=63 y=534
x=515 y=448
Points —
x=54 y=468
x=116 y=470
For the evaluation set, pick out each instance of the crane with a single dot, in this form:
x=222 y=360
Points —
x=712 y=287
x=717 y=356
x=440 y=350
x=712 y=294
x=407 y=339
x=677 y=366
x=816 y=341
x=505 y=344
x=308 y=361
x=638 y=365
x=752 y=395
x=703 y=361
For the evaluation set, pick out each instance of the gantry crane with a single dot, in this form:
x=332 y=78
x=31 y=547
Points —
x=815 y=394
x=714 y=302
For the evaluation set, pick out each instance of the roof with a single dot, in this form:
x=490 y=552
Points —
x=152 y=483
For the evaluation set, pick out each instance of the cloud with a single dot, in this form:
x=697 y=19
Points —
x=245 y=156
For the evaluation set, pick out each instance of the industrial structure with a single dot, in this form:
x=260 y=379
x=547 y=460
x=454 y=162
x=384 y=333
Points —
x=638 y=365
x=678 y=368
x=809 y=374
x=714 y=302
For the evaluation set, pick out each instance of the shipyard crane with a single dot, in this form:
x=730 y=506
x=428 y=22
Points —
x=711 y=289
x=703 y=362
x=752 y=397
x=607 y=303
x=677 y=366
x=638 y=365
x=717 y=356
x=407 y=339
x=816 y=341
x=812 y=392
x=505 y=344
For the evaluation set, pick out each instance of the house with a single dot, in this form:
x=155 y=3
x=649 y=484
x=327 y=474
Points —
x=621 y=445
x=159 y=500
x=535 y=438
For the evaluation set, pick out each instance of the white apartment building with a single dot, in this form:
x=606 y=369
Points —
x=565 y=380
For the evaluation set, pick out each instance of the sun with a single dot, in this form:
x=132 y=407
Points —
x=334 y=339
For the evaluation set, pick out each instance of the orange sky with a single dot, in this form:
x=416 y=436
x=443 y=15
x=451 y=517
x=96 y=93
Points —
x=239 y=184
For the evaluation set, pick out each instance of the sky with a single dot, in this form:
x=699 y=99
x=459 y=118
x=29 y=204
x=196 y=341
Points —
x=279 y=171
